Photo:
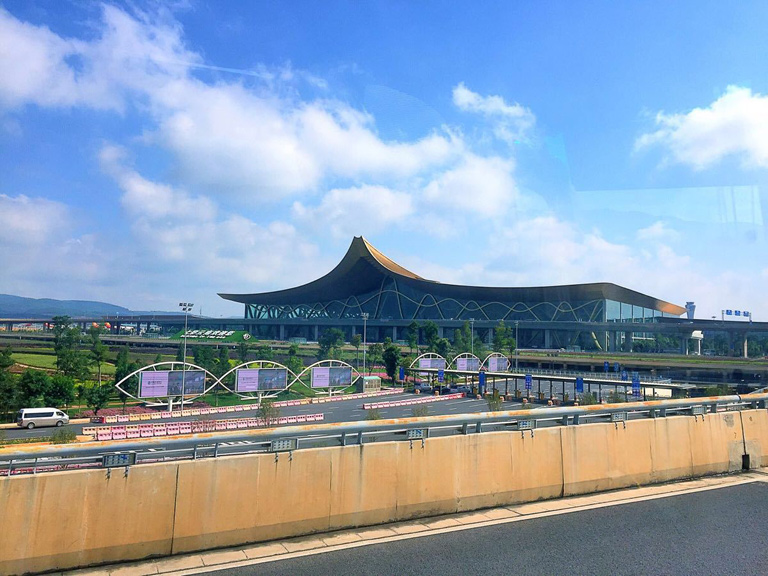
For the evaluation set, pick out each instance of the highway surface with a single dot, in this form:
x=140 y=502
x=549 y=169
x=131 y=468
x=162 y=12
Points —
x=723 y=531
x=339 y=411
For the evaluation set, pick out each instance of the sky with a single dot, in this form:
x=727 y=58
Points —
x=159 y=152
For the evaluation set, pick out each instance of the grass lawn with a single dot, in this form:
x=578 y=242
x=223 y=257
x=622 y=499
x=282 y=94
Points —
x=48 y=361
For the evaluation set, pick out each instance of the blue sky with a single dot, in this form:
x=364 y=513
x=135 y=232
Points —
x=151 y=154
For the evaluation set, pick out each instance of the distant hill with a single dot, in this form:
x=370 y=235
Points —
x=20 y=307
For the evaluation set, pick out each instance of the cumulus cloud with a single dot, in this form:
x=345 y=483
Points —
x=481 y=186
x=736 y=124
x=28 y=221
x=511 y=121
x=354 y=211
x=656 y=232
x=246 y=142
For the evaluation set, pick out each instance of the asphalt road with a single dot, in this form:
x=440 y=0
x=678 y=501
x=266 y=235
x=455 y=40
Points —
x=340 y=411
x=721 y=531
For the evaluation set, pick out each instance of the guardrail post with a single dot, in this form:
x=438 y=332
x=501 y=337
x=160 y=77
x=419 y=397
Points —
x=663 y=412
x=713 y=408
x=576 y=420
x=360 y=437
x=479 y=427
x=652 y=413
x=343 y=438
x=464 y=428
x=564 y=421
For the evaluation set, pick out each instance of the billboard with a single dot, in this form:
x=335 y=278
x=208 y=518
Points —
x=468 y=364
x=331 y=377
x=498 y=364
x=261 y=379
x=437 y=363
x=161 y=383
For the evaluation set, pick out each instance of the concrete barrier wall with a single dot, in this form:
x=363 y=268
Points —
x=62 y=520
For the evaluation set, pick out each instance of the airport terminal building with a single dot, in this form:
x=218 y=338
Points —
x=600 y=316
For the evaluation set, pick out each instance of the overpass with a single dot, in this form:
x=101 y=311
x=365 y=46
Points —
x=610 y=333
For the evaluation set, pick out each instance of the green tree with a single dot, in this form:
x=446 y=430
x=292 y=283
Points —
x=330 y=344
x=9 y=393
x=97 y=397
x=431 y=332
x=243 y=349
x=413 y=335
x=443 y=347
x=356 y=341
x=501 y=335
x=203 y=357
x=61 y=391
x=264 y=352
x=99 y=352
x=294 y=363
x=375 y=355
x=268 y=412
x=391 y=356
x=66 y=339
x=33 y=387
x=222 y=364
x=6 y=358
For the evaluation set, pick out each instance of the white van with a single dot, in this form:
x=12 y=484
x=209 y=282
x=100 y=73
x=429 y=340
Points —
x=33 y=417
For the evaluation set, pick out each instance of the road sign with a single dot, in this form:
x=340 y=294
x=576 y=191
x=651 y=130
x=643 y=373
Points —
x=528 y=381
x=624 y=375
x=635 y=384
x=616 y=366
x=579 y=384
x=606 y=366
x=441 y=375
x=402 y=373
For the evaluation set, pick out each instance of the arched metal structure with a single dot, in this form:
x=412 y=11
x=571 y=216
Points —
x=291 y=379
x=429 y=355
x=330 y=364
x=486 y=362
x=170 y=363
x=467 y=355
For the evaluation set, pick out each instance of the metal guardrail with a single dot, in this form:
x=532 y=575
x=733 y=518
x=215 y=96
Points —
x=611 y=377
x=15 y=460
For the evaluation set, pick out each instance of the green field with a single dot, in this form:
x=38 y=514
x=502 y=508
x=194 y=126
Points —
x=48 y=361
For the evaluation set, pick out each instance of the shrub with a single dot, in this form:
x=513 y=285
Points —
x=373 y=414
x=63 y=436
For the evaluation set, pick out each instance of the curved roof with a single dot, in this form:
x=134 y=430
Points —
x=364 y=268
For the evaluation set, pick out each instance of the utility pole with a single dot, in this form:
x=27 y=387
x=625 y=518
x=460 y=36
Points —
x=186 y=307
x=364 y=316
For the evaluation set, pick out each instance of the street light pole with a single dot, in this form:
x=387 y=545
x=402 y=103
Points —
x=364 y=315
x=472 y=334
x=186 y=307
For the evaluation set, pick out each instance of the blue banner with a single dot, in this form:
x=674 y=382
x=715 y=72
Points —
x=441 y=375
x=481 y=383
x=402 y=373
x=579 y=384
x=606 y=366
x=528 y=381
x=624 y=375
x=616 y=366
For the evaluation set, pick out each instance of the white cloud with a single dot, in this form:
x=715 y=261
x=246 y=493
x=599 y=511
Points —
x=656 y=232
x=143 y=198
x=736 y=124
x=511 y=121
x=481 y=186
x=363 y=210
x=28 y=221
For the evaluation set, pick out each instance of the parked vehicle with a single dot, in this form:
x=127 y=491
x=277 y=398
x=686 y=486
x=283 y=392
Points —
x=34 y=417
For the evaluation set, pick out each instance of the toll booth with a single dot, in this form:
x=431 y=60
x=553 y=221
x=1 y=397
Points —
x=368 y=384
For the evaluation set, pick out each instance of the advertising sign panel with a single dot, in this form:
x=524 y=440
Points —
x=498 y=364
x=261 y=379
x=331 y=377
x=153 y=384
x=161 y=383
x=435 y=363
x=468 y=364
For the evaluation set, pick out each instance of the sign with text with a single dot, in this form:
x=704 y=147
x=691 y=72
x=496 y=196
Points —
x=528 y=381
x=331 y=376
x=161 y=383
x=261 y=379
x=434 y=363
x=498 y=364
x=467 y=364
